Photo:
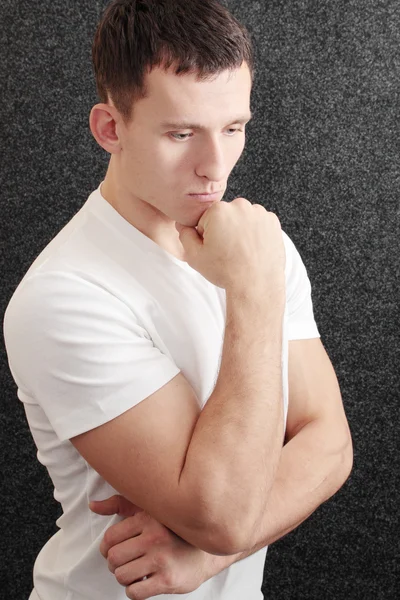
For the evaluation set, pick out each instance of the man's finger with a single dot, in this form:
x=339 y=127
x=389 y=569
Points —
x=116 y=505
x=118 y=533
x=123 y=554
x=145 y=589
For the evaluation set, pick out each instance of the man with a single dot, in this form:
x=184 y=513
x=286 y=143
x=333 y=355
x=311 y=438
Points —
x=164 y=344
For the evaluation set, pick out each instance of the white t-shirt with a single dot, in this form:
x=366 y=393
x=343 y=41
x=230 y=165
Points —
x=104 y=318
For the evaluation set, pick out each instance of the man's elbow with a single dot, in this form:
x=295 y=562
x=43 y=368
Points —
x=221 y=519
x=345 y=460
x=348 y=458
x=224 y=540
x=221 y=532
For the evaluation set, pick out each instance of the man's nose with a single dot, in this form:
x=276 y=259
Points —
x=212 y=163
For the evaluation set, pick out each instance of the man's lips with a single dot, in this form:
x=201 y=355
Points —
x=206 y=197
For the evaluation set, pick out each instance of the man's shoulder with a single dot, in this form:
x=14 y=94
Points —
x=294 y=262
x=57 y=243
x=55 y=295
x=73 y=264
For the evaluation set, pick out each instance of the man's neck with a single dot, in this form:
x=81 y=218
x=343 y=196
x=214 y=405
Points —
x=144 y=217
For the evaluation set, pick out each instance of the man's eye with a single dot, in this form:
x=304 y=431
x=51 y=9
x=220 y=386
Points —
x=181 y=137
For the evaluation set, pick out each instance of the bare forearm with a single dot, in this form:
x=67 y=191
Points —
x=311 y=469
x=236 y=444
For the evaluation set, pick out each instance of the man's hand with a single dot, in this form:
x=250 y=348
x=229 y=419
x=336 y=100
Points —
x=147 y=558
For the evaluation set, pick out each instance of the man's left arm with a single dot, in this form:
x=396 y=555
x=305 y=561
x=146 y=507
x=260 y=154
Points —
x=315 y=462
x=317 y=457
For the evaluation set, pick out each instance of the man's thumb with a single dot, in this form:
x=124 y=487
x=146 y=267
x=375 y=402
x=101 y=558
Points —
x=189 y=238
x=116 y=505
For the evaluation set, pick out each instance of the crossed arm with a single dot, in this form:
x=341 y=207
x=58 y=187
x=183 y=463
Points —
x=314 y=463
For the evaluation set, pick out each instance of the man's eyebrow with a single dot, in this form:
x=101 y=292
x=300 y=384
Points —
x=187 y=125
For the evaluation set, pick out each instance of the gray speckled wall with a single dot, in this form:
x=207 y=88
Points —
x=324 y=153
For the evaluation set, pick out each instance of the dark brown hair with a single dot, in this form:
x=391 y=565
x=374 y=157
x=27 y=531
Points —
x=193 y=36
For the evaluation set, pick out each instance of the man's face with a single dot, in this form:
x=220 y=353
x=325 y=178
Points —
x=165 y=158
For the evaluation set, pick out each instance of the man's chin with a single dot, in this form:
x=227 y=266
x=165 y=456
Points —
x=190 y=221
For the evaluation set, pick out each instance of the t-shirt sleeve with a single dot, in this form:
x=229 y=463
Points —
x=80 y=352
x=299 y=308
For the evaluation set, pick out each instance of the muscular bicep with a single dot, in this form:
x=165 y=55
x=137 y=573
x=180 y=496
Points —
x=313 y=388
x=141 y=453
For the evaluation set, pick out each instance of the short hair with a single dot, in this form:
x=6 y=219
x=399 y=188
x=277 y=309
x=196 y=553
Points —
x=193 y=36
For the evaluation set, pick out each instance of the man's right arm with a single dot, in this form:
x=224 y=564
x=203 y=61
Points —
x=206 y=474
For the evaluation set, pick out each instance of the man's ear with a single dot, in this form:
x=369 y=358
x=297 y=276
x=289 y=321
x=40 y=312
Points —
x=103 y=125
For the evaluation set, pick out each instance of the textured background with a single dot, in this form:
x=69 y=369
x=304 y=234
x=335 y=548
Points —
x=324 y=153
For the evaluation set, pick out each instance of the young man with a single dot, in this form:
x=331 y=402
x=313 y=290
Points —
x=155 y=340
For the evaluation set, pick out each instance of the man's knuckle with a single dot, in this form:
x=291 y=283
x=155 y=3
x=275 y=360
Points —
x=121 y=576
x=113 y=558
x=161 y=561
x=108 y=537
x=171 y=581
x=141 y=518
x=131 y=525
x=274 y=217
x=131 y=594
x=241 y=202
x=157 y=537
x=162 y=535
x=149 y=540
